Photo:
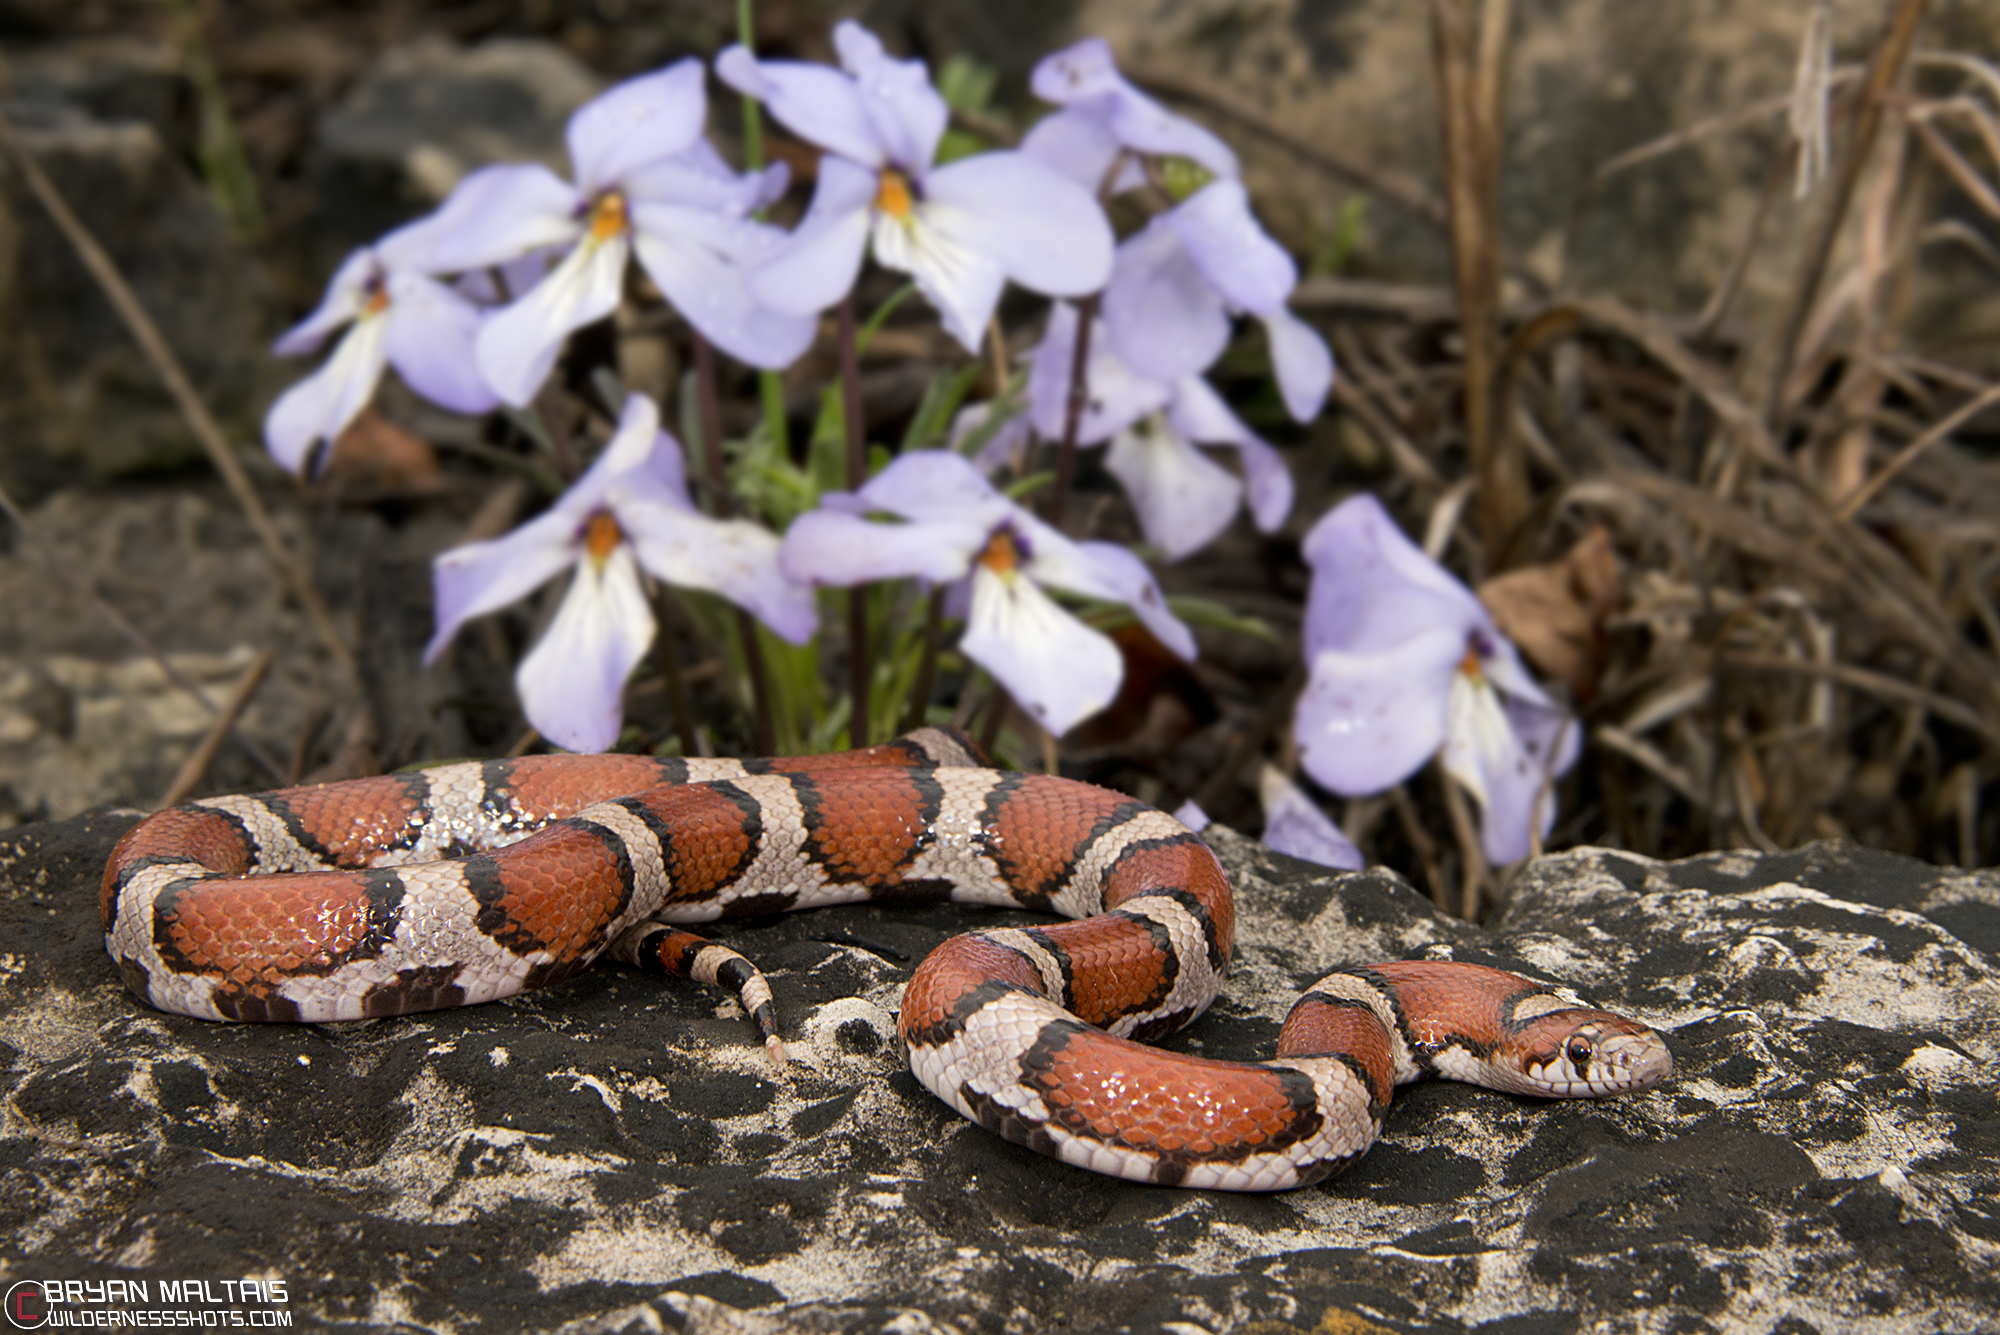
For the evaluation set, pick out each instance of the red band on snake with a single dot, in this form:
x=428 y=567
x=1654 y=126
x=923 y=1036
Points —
x=470 y=882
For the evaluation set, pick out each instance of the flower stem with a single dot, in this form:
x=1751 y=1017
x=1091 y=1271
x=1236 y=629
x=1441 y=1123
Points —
x=1079 y=396
x=770 y=385
x=920 y=692
x=723 y=507
x=857 y=474
x=669 y=658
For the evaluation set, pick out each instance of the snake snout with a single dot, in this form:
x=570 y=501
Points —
x=1632 y=1062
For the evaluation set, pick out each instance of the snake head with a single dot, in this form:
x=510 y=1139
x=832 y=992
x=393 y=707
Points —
x=1579 y=1053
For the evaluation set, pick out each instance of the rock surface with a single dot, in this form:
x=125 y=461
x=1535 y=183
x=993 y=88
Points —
x=613 y=1154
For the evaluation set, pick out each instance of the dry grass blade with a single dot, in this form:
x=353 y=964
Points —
x=1407 y=458
x=1955 y=166
x=1874 y=683
x=1883 y=71
x=168 y=367
x=1908 y=454
x=1698 y=374
x=1470 y=55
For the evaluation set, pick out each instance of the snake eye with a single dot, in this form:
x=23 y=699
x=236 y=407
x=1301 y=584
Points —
x=1578 y=1052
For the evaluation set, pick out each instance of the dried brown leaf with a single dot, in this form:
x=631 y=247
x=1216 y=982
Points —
x=1555 y=613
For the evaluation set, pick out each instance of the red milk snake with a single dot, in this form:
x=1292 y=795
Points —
x=469 y=882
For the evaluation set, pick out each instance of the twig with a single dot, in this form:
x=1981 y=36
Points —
x=196 y=765
x=167 y=366
x=1474 y=871
x=1883 y=71
x=132 y=634
x=1420 y=839
x=859 y=675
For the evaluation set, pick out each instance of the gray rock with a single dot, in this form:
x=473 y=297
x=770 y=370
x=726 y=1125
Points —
x=77 y=400
x=429 y=112
x=614 y=1154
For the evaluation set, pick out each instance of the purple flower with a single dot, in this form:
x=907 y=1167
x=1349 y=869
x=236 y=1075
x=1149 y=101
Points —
x=646 y=182
x=396 y=314
x=1183 y=499
x=1294 y=824
x=630 y=510
x=957 y=528
x=1175 y=283
x=961 y=230
x=1404 y=661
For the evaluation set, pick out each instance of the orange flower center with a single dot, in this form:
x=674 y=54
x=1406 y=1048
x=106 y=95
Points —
x=601 y=536
x=1001 y=556
x=892 y=196
x=608 y=217
x=1472 y=666
x=378 y=301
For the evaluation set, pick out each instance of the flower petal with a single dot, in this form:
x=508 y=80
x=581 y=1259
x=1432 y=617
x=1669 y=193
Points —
x=641 y=464
x=1055 y=667
x=1370 y=720
x=1086 y=74
x=320 y=406
x=698 y=259
x=1300 y=359
x=518 y=346
x=1251 y=271
x=907 y=114
x=1183 y=498
x=963 y=282
x=692 y=181
x=1199 y=413
x=816 y=266
x=1294 y=825
x=830 y=547
x=572 y=683
x=934 y=486
x=1116 y=395
x=1372 y=589
x=820 y=105
x=1081 y=147
x=1162 y=315
x=1046 y=232
x=346 y=294
x=1102 y=570
x=480 y=577
x=497 y=214
x=732 y=557
x=1486 y=753
x=637 y=122
x=429 y=332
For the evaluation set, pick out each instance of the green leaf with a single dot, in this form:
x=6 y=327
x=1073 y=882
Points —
x=931 y=423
